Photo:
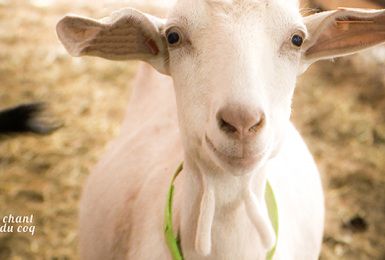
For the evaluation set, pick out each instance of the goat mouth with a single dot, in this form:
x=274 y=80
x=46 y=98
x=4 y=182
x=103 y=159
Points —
x=234 y=161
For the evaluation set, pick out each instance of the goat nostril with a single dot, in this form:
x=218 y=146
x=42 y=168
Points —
x=240 y=121
x=226 y=127
x=256 y=127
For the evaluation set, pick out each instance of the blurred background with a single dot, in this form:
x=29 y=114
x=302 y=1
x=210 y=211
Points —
x=339 y=107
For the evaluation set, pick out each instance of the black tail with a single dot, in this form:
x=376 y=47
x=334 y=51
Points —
x=25 y=119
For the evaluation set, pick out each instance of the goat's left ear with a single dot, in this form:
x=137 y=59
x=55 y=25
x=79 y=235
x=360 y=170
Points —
x=125 y=35
x=342 y=32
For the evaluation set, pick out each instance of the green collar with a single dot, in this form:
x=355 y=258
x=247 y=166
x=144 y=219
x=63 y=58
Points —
x=173 y=242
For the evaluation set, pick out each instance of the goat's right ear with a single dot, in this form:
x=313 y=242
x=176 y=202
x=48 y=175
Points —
x=125 y=35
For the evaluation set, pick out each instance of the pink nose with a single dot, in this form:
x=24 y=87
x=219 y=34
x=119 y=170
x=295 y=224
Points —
x=240 y=121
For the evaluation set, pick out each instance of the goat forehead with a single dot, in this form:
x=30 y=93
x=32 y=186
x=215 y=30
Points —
x=237 y=2
x=246 y=4
x=201 y=12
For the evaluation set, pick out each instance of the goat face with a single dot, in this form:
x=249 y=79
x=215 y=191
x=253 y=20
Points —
x=234 y=67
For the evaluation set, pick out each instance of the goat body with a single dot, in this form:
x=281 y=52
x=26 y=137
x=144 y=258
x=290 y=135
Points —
x=225 y=113
x=124 y=200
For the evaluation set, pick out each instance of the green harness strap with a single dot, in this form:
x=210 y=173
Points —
x=173 y=242
x=272 y=209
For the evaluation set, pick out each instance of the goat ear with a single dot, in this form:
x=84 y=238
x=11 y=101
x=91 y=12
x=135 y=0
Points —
x=125 y=35
x=342 y=32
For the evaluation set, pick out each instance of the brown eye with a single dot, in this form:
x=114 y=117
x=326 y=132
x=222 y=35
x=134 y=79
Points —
x=174 y=37
x=297 y=40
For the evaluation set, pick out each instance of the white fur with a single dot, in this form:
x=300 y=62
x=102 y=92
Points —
x=122 y=215
x=238 y=55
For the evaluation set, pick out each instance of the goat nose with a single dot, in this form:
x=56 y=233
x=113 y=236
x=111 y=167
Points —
x=243 y=121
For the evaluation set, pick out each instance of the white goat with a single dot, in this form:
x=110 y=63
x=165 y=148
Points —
x=233 y=67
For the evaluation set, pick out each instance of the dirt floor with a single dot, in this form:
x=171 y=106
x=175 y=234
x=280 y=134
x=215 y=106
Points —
x=339 y=108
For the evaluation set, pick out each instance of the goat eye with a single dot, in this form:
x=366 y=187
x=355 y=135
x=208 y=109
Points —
x=297 y=40
x=173 y=37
